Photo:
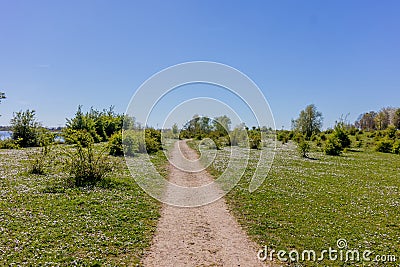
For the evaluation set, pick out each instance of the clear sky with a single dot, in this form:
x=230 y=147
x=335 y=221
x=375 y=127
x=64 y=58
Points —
x=343 y=56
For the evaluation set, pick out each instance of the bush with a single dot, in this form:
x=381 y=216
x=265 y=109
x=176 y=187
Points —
x=396 y=147
x=40 y=159
x=322 y=136
x=86 y=166
x=282 y=136
x=298 y=137
x=353 y=130
x=115 y=145
x=390 y=132
x=137 y=141
x=153 y=140
x=254 y=137
x=24 y=127
x=341 y=134
x=129 y=143
x=384 y=145
x=9 y=144
x=304 y=148
x=79 y=137
x=332 y=146
x=101 y=125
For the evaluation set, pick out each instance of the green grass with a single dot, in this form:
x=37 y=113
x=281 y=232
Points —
x=310 y=204
x=42 y=222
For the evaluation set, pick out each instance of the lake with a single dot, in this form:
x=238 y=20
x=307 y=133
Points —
x=5 y=135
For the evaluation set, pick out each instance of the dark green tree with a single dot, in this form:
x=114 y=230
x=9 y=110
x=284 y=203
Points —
x=396 y=119
x=25 y=128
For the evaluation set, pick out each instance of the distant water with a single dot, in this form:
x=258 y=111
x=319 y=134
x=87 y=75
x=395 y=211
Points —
x=5 y=135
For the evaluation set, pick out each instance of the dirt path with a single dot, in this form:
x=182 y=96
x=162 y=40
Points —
x=201 y=236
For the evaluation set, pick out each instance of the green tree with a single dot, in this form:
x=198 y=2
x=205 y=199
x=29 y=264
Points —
x=25 y=128
x=382 y=119
x=175 y=129
x=222 y=124
x=366 y=121
x=341 y=134
x=396 y=119
x=309 y=121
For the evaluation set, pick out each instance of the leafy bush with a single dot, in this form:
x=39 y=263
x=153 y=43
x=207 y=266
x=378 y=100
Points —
x=39 y=161
x=115 y=145
x=332 y=146
x=322 y=136
x=384 y=145
x=303 y=148
x=129 y=143
x=134 y=141
x=24 y=127
x=101 y=125
x=390 y=132
x=396 y=147
x=299 y=137
x=9 y=144
x=86 y=166
x=238 y=136
x=81 y=137
x=282 y=136
x=254 y=139
x=342 y=135
x=153 y=140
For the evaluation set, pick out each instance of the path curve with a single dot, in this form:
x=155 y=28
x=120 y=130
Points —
x=203 y=236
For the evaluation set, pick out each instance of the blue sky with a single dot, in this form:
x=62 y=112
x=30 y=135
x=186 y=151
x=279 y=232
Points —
x=343 y=56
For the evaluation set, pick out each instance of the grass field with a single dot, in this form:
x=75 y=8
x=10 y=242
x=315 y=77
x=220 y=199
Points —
x=311 y=203
x=44 y=223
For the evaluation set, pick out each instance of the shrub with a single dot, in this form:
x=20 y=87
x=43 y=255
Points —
x=44 y=137
x=390 y=132
x=254 y=137
x=79 y=137
x=396 y=147
x=40 y=160
x=304 y=148
x=281 y=136
x=353 y=130
x=101 y=125
x=9 y=144
x=322 y=136
x=24 y=127
x=115 y=145
x=153 y=140
x=384 y=145
x=129 y=144
x=332 y=146
x=86 y=166
x=341 y=134
x=359 y=144
x=299 y=137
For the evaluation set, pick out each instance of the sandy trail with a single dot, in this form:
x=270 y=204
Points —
x=201 y=236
